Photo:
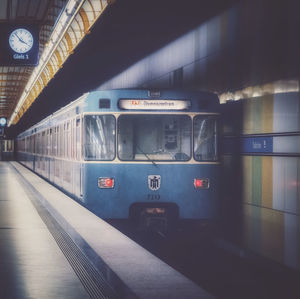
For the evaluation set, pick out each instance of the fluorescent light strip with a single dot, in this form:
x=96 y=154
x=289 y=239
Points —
x=281 y=86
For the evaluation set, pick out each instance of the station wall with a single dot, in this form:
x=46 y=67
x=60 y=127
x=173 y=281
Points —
x=268 y=174
x=185 y=61
x=252 y=43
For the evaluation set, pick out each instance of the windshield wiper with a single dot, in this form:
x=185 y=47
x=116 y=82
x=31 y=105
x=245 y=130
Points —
x=146 y=155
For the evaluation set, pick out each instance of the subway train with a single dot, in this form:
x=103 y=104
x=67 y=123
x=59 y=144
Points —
x=147 y=156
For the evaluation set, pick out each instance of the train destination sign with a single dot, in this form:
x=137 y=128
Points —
x=144 y=104
x=19 y=44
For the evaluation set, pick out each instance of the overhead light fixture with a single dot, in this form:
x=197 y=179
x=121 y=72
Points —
x=275 y=87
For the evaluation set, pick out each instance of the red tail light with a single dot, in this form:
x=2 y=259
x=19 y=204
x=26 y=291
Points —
x=201 y=183
x=106 y=182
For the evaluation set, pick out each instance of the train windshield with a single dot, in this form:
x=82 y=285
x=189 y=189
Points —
x=154 y=137
x=99 y=143
x=205 y=138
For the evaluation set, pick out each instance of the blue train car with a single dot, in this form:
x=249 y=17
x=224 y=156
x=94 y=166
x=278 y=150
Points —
x=148 y=156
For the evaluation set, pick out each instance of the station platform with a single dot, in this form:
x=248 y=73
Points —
x=52 y=247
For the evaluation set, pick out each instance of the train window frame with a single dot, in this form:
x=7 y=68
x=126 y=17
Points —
x=67 y=140
x=48 y=142
x=79 y=127
x=61 y=141
x=83 y=136
x=73 y=139
x=216 y=136
x=43 y=151
x=147 y=157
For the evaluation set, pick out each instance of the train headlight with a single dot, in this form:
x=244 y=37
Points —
x=201 y=183
x=106 y=182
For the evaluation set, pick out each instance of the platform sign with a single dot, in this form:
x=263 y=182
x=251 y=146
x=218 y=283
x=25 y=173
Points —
x=257 y=144
x=19 y=44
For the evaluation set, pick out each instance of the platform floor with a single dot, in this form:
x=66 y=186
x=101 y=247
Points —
x=31 y=263
x=52 y=247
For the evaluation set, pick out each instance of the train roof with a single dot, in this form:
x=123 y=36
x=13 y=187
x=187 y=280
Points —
x=91 y=102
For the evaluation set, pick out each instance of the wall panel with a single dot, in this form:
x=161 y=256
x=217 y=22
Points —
x=270 y=153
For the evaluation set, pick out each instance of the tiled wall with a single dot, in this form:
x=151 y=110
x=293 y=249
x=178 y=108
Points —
x=271 y=181
x=271 y=207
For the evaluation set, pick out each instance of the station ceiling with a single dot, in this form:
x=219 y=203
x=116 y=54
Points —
x=14 y=78
x=62 y=25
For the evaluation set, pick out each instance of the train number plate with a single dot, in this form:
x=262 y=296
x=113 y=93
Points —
x=153 y=197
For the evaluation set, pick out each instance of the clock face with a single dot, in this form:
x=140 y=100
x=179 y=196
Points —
x=2 y=121
x=21 y=40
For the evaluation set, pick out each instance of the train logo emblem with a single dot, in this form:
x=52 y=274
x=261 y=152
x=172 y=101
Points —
x=154 y=182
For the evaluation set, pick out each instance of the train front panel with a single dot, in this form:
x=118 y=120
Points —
x=183 y=191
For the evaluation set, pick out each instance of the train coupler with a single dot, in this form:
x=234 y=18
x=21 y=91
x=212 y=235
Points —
x=159 y=217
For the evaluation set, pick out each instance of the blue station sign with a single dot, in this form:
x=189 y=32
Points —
x=257 y=144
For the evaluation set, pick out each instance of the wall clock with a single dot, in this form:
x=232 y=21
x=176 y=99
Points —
x=21 y=40
x=3 y=121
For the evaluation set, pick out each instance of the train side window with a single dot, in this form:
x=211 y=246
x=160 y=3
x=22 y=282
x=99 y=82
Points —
x=73 y=132
x=205 y=138
x=78 y=141
x=99 y=137
x=48 y=142
x=55 y=142
x=43 y=151
x=38 y=144
x=64 y=140
x=45 y=143
x=30 y=144
x=68 y=140
x=61 y=141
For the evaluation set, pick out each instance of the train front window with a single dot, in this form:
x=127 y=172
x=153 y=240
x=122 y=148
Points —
x=205 y=138
x=99 y=137
x=154 y=137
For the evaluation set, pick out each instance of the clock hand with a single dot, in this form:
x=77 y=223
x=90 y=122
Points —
x=20 y=39
x=17 y=36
